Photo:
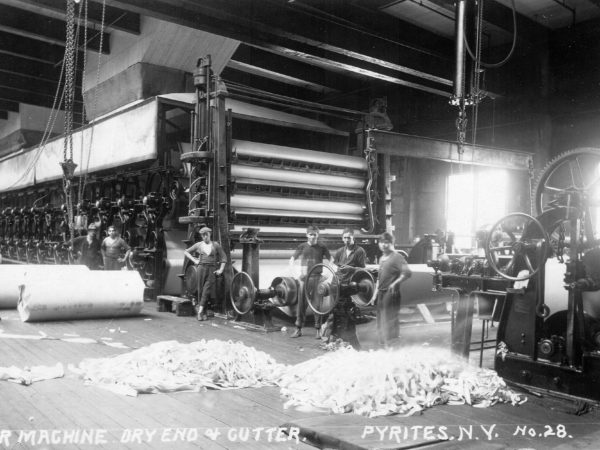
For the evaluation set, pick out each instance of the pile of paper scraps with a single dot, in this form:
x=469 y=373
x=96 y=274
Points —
x=30 y=375
x=383 y=382
x=170 y=366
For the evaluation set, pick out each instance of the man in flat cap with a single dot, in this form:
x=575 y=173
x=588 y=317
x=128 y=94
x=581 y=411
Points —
x=311 y=253
x=211 y=260
x=88 y=249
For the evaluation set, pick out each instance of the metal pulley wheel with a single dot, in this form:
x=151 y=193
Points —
x=522 y=241
x=363 y=284
x=242 y=293
x=285 y=290
x=321 y=289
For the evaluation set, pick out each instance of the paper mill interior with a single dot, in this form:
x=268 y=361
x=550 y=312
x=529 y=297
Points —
x=349 y=224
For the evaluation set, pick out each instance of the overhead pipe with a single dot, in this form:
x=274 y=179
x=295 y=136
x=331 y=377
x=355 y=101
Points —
x=459 y=32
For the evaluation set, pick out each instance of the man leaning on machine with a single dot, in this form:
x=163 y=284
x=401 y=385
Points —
x=341 y=322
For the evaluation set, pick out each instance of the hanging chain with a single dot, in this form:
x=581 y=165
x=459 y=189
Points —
x=83 y=81
x=582 y=233
x=461 y=128
x=560 y=245
x=69 y=100
x=95 y=96
x=531 y=173
x=69 y=85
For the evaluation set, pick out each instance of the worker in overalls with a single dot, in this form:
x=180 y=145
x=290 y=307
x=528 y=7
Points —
x=311 y=253
x=393 y=271
x=211 y=262
x=340 y=322
x=112 y=247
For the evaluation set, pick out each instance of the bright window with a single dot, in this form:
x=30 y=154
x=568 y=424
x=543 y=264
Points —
x=475 y=200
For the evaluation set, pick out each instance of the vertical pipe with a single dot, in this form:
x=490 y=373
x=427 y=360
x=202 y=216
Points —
x=459 y=32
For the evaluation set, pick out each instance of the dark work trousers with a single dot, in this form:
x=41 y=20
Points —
x=388 y=306
x=112 y=263
x=344 y=326
x=303 y=304
x=206 y=282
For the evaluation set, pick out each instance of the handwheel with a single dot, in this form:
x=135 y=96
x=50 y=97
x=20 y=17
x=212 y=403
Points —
x=521 y=238
x=242 y=293
x=321 y=289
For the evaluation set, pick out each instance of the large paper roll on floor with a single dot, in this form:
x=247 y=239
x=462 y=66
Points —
x=13 y=275
x=96 y=294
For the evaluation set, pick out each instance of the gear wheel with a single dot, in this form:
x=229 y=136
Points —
x=574 y=171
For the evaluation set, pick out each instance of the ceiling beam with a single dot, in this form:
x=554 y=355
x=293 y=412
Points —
x=114 y=18
x=33 y=69
x=30 y=98
x=330 y=64
x=309 y=29
x=290 y=67
x=37 y=26
x=500 y=16
x=29 y=84
x=366 y=16
x=11 y=44
x=276 y=76
x=222 y=23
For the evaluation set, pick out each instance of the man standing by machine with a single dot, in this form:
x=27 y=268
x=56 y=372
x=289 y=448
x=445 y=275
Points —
x=341 y=320
x=211 y=262
x=112 y=247
x=377 y=117
x=393 y=270
x=311 y=253
x=88 y=248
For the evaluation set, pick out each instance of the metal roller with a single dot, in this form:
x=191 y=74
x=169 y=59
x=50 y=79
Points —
x=280 y=152
x=288 y=213
x=287 y=231
x=265 y=254
x=303 y=186
x=252 y=201
x=294 y=176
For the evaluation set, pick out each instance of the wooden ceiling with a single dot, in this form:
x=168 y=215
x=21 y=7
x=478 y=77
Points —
x=322 y=50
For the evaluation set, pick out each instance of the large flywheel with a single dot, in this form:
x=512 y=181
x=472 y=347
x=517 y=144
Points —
x=571 y=184
x=575 y=173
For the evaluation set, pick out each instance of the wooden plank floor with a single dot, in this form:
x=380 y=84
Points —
x=96 y=418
